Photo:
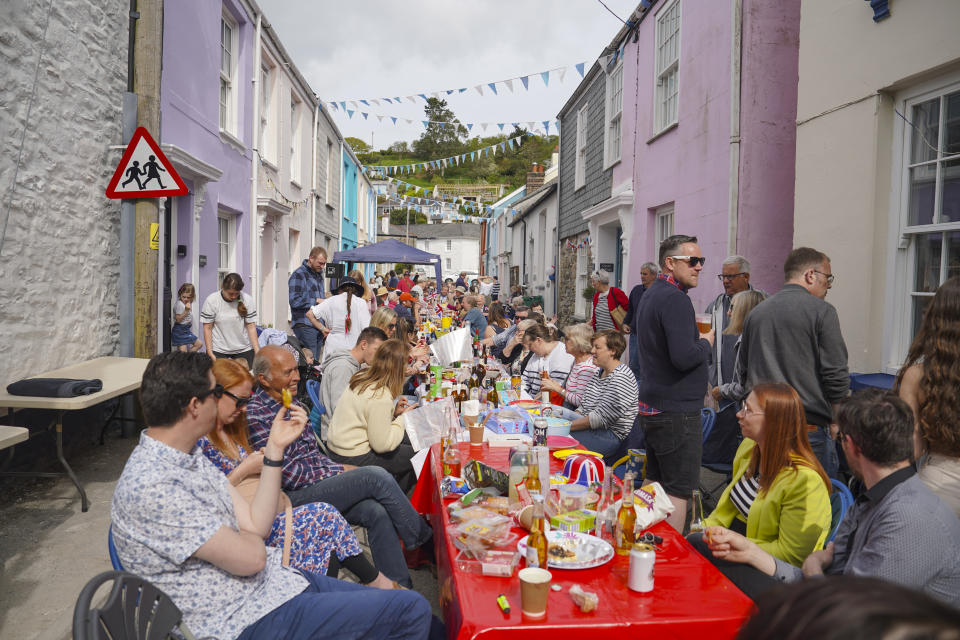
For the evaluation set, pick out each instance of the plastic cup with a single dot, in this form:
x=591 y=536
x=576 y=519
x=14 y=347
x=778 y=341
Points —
x=704 y=322
x=534 y=589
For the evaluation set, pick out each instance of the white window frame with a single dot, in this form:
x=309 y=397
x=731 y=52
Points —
x=326 y=196
x=449 y=264
x=268 y=118
x=907 y=239
x=296 y=143
x=580 y=173
x=426 y=245
x=666 y=56
x=449 y=245
x=581 y=281
x=663 y=227
x=613 y=116
x=226 y=244
x=228 y=74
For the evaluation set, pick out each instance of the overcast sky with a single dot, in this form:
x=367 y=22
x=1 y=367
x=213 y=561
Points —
x=381 y=48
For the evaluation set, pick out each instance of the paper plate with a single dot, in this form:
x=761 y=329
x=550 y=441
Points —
x=588 y=551
x=562 y=442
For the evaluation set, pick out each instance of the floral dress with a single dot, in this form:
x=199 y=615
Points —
x=318 y=528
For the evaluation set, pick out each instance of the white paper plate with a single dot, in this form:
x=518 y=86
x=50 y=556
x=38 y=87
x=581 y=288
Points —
x=591 y=551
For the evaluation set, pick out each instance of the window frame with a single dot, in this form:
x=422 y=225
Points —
x=581 y=280
x=228 y=79
x=296 y=142
x=580 y=167
x=449 y=245
x=664 y=217
x=268 y=119
x=666 y=77
x=326 y=195
x=613 y=116
x=230 y=220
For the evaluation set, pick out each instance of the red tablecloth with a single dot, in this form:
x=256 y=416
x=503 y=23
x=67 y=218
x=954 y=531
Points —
x=691 y=599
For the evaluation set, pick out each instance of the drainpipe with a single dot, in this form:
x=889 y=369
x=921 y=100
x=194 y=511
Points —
x=736 y=48
x=255 y=287
x=313 y=190
x=340 y=232
x=556 y=240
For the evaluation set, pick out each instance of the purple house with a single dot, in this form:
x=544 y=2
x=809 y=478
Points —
x=206 y=130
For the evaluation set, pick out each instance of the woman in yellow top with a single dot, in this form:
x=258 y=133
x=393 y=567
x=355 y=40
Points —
x=367 y=427
x=780 y=495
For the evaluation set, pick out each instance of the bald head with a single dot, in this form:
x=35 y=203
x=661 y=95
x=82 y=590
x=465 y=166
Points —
x=275 y=369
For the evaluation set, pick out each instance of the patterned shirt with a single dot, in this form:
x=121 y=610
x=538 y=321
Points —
x=642 y=407
x=601 y=313
x=167 y=505
x=577 y=382
x=303 y=464
x=305 y=285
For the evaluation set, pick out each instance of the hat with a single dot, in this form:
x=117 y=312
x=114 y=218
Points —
x=461 y=289
x=406 y=297
x=349 y=284
x=382 y=291
x=583 y=468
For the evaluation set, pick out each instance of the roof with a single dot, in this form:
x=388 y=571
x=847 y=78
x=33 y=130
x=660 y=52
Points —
x=530 y=202
x=467 y=230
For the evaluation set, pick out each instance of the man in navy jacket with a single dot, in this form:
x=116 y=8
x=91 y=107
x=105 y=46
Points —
x=673 y=357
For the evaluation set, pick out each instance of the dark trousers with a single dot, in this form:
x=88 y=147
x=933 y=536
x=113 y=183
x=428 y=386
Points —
x=397 y=462
x=749 y=580
x=310 y=338
x=245 y=355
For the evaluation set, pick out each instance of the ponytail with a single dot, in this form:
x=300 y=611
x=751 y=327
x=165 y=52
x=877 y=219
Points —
x=346 y=323
x=242 y=308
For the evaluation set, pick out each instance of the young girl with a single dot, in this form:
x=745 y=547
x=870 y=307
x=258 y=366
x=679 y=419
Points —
x=181 y=336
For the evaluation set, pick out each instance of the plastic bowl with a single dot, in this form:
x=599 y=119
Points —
x=558 y=427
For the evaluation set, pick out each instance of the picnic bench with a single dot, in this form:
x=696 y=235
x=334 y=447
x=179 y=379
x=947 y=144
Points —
x=120 y=376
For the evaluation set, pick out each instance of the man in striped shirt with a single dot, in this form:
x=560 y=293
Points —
x=495 y=291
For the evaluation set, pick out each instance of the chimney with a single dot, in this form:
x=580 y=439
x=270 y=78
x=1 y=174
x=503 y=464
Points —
x=534 y=178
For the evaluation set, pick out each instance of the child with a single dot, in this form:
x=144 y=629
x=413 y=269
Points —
x=181 y=336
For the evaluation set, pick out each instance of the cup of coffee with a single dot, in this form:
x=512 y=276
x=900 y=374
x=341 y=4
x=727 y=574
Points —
x=534 y=589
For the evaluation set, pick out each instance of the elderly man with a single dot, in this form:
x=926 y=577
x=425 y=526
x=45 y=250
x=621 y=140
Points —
x=673 y=357
x=473 y=313
x=340 y=367
x=178 y=522
x=608 y=302
x=307 y=289
x=366 y=496
x=648 y=273
x=794 y=337
x=898 y=530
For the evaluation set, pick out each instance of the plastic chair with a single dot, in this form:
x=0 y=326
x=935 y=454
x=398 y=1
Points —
x=112 y=550
x=840 y=500
x=134 y=610
x=313 y=390
x=708 y=419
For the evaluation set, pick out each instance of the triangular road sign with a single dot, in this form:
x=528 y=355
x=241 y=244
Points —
x=144 y=172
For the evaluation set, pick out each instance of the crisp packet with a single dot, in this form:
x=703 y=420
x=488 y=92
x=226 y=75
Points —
x=453 y=486
x=651 y=504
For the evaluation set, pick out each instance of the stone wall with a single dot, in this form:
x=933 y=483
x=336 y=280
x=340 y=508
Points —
x=567 y=280
x=59 y=263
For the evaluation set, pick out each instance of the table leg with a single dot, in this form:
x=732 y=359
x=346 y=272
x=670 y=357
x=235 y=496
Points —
x=84 y=503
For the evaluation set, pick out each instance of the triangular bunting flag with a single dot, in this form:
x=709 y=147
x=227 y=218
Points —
x=546 y=126
x=343 y=106
x=469 y=126
x=376 y=102
x=562 y=72
x=349 y=113
x=365 y=103
x=394 y=119
x=479 y=89
x=389 y=100
x=423 y=96
x=531 y=125
x=579 y=67
x=426 y=123
x=484 y=125
x=364 y=114
x=510 y=142
x=546 y=78
x=334 y=105
x=379 y=118
x=500 y=124
x=526 y=81
x=493 y=87
x=353 y=103
x=509 y=84
x=449 y=91
x=503 y=146
x=411 y=99
x=463 y=89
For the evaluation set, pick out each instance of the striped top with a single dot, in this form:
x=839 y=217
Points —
x=601 y=313
x=577 y=382
x=744 y=492
x=611 y=402
x=557 y=365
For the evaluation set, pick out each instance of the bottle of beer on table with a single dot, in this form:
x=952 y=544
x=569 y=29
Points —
x=537 y=540
x=533 y=474
x=623 y=538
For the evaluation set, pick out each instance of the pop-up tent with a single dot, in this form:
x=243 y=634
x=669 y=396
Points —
x=389 y=250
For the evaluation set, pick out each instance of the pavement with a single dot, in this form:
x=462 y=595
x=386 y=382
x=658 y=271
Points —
x=49 y=549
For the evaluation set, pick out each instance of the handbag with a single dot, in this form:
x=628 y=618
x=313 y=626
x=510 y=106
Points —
x=618 y=314
x=248 y=489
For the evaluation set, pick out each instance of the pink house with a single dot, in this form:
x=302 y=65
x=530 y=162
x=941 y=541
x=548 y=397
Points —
x=698 y=134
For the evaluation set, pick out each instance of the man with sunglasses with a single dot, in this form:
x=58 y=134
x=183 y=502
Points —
x=673 y=357
x=178 y=522
x=794 y=337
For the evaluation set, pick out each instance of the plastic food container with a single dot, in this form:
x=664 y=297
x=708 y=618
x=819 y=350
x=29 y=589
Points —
x=558 y=427
x=490 y=563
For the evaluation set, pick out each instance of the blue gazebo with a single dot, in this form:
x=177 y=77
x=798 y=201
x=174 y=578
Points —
x=389 y=250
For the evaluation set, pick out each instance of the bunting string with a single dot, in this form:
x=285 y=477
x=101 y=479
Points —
x=490 y=87
x=276 y=190
x=532 y=125
x=460 y=201
x=443 y=163
x=577 y=245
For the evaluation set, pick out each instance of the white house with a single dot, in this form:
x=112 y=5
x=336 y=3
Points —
x=534 y=247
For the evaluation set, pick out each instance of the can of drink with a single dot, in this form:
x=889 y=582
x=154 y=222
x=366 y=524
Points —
x=642 y=559
x=515 y=383
x=539 y=432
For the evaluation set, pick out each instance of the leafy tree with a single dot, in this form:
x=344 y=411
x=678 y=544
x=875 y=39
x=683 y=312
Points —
x=358 y=145
x=444 y=135
x=399 y=216
x=399 y=148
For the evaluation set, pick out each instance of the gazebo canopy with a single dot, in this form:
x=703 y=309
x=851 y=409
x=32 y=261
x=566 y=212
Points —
x=390 y=250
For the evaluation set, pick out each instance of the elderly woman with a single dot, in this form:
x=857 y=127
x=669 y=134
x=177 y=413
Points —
x=550 y=356
x=342 y=317
x=608 y=405
x=609 y=304
x=577 y=340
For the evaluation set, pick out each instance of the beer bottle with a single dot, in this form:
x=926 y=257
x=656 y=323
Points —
x=493 y=399
x=533 y=475
x=626 y=519
x=537 y=540
x=458 y=398
x=461 y=395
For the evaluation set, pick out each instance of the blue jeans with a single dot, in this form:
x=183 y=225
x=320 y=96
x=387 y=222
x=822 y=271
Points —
x=602 y=441
x=634 y=351
x=331 y=608
x=370 y=497
x=825 y=449
x=310 y=338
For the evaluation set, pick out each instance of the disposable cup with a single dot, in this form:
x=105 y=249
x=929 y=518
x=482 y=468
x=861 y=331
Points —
x=534 y=589
x=476 y=432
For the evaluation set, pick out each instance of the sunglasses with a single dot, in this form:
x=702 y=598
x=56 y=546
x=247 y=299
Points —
x=693 y=260
x=217 y=392
x=241 y=402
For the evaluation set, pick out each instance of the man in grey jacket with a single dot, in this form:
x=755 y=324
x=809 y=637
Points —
x=898 y=530
x=340 y=367
x=794 y=337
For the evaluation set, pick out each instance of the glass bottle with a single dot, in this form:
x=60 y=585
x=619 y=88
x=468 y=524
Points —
x=518 y=472
x=537 y=540
x=626 y=519
x=696 y=518
x=458 y=396
x=493 y=399
x=533 y=474
x=451 y=453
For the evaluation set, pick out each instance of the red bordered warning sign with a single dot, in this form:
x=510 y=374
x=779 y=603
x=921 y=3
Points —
x=144 y=172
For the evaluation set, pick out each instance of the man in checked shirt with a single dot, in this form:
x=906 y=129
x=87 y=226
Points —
x=366 y=496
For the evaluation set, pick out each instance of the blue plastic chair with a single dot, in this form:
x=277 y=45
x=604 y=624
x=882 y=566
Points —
x=112 y=550
x=313 y=390
x=840 y=500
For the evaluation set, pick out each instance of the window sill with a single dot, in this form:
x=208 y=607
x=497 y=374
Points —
x=575 y=189
x=612 y=164
x=269 y=164
x=663 y=132
x=233 y=141
x=295 y=183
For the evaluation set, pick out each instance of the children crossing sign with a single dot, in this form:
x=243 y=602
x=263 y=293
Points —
x=144 y=172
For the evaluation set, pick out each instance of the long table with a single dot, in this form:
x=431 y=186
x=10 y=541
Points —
x=119 y=375
x=691 y=598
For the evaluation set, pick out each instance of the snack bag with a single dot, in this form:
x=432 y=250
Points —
x=651 y=504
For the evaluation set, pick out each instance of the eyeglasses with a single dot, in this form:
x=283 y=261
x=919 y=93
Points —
x=216 y=392
x=727 y=277
x=241 y=402
x=693 y=260
x=392 y=325
x=829 y=276
x=747 y=411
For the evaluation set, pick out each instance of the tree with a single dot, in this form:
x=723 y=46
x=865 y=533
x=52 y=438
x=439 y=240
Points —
x=444 y=136
x=399 y=216
x=358 y=145
x=399 y=148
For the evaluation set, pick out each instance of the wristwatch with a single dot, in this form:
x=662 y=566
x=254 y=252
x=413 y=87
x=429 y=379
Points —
x=267 y=462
